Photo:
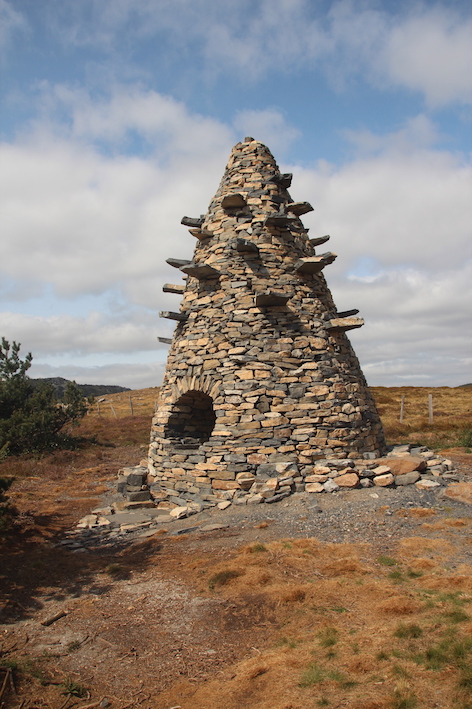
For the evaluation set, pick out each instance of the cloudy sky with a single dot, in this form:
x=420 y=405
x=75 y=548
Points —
x=118 y=117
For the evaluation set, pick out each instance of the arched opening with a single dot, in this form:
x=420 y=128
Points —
x=192 y=419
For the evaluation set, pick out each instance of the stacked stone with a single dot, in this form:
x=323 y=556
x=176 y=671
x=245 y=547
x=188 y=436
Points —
x=261 y=380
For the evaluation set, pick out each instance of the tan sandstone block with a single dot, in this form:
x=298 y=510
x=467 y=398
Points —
x=225 y=485
x=347 y=480
x=426 y=484
x=401 y=466
x=245 y=374
x=314 y=487
x=256 y=458
x=461 y=492
x=316 y=478
x=382 y=480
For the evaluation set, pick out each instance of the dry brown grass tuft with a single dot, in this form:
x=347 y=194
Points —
x=421 y=512
x=399 y=605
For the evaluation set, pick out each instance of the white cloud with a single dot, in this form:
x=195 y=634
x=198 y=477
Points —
x=87 y=220
x=91 y=334
x=424 y=48
x=432 y=52
x=402 y=206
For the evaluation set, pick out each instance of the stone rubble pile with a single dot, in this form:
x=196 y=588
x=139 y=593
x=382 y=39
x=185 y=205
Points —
x=406 y=466
x=270 y=482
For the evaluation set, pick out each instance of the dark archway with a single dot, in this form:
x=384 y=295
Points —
x=192 y=418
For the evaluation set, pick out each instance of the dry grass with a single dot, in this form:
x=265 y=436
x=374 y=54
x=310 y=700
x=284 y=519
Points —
x=143 y=403
x=452 y=415
x=348 y=634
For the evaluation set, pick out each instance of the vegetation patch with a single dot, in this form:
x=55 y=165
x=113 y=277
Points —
x=223 y=577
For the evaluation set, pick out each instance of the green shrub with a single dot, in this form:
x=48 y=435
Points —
x=31 y=418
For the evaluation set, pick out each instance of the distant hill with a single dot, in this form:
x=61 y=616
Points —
x=59 y=384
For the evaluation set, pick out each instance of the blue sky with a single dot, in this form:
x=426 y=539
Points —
x=118 y=116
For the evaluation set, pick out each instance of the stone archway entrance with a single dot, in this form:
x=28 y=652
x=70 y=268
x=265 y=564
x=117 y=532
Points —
x=192 y=418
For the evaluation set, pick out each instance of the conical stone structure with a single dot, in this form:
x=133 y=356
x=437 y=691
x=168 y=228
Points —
x=261 y=379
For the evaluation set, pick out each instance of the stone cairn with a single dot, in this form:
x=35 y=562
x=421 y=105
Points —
x=261 y=383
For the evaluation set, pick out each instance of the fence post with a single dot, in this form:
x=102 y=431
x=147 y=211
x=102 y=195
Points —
x=430 y=407
x=98 y=409
x=131 y=406
x=402 y=407
x=114 y=412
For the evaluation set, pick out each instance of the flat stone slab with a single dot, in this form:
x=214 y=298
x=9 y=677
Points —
x=212 y=527
x=402 y=466
x=461 y=492
x=129 y=517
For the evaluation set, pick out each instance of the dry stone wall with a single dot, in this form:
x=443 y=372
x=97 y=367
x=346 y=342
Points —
x=261 y=380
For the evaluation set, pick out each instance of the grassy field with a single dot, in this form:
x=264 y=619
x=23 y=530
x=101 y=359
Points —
x=452 y=415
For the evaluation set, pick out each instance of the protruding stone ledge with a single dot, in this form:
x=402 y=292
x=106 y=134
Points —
x=169 y=315
x=347 y=313
x=270 y=298
x=200 y=234
x=279 y=220
x=284 y=179
x=199 y=270
x=314 y=264
x=344 y=324
x=193 y=221
x=178 y=262
x=172 y=288
x=246 y=246
x=233 y=201
x=165 y=340
x=319 y=240
x=299 y=208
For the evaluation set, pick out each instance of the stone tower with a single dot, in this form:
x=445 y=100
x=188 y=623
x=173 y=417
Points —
x=261 y=379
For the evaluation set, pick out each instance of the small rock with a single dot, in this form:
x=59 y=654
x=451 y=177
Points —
x=401 y=466
x=384 y=480
x=462 y=492
x=314 y=487
x=277 y=498
x=330 y=486
x=316 y=478
x=212 y=527
x=87 y=522
x=407 y=479
x=382 y=470
x=240 y=501
x=179 y=512
x=347 y=480
x=223 y=505
x=255 y=499
x=424 y=484
x=321 y=470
